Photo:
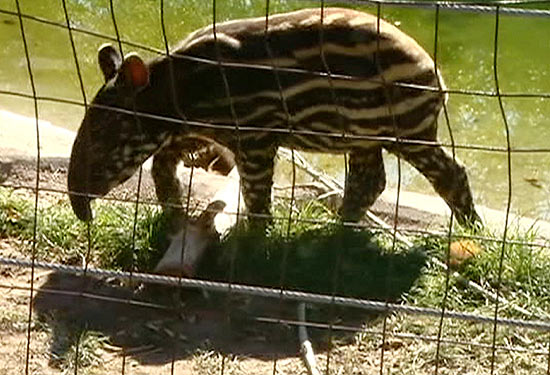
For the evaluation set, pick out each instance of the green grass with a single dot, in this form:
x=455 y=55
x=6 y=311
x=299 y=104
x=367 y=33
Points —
x=84 y=351
x=109 y=242
x=328 y=259
x=524 y=279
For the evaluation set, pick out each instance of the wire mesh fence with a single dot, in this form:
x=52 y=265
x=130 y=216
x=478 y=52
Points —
x=403 y=289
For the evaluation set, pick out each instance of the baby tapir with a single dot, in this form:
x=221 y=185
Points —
x=322 y=80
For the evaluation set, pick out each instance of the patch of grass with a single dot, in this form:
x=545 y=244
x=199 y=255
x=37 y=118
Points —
x=308 y=216
x=109 y=242
x=86 y=351
x=327 y=259
x=318 y=255
x=119 y=245
x=315 y=253
x=525 y=279
x=14 y=320
x=15 y=220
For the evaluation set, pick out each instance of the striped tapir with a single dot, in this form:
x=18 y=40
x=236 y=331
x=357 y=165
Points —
x=325 y=80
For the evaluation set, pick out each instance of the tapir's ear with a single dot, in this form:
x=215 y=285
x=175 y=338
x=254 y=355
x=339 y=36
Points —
x=134 y=72
x=109 y=60
x=206 y=218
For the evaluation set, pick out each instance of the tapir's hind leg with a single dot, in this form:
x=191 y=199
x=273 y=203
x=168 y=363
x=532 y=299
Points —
x=447 y=176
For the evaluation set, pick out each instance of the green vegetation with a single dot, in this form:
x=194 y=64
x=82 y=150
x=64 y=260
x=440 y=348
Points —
x=61 y=237
x=524 y=280
x=86 y=350
x=329 y=259
x=312 y=249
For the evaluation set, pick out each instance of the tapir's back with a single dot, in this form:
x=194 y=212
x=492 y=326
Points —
x=347 y=73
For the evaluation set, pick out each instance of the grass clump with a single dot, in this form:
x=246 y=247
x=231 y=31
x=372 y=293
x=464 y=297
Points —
x=524 y=279
x=309 y=250
x=328 y=259
x=83 y=351
x=15 y=220
x=110 y=241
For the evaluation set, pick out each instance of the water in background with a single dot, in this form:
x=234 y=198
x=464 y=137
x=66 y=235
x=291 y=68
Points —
x=465 y=57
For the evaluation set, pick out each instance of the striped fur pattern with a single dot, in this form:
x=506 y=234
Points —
x=345 y=82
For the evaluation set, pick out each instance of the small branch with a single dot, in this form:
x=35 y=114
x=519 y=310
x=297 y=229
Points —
x=307 y=185
x=301 y=162
x=305 y=345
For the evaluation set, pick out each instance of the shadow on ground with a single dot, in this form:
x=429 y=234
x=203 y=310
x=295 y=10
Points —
x=173 y=323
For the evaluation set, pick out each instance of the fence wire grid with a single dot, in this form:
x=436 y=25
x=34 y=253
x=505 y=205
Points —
x=461 y=322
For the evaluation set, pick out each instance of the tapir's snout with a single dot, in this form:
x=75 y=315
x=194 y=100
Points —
x=81 y=206
x=83 y=182
x=105 y=154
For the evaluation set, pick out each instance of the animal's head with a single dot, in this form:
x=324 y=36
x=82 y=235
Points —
x=113 y=139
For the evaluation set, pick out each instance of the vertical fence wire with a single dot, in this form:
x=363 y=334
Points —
x=37 y=183
x=121 y=52
x=84 y=98
x=176 y=102
x=115 y=28
x=509 y=177
x=397 y=144
x=344 y=125
x=139 y=178
x=451 y=219
x=290 y=128
x=227 y=91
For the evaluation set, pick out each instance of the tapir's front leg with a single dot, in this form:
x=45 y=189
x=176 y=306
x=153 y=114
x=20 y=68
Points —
x=168 y=186
x=255 y=167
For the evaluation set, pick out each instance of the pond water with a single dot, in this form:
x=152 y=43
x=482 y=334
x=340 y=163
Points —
x=465 y=56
